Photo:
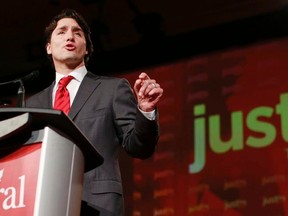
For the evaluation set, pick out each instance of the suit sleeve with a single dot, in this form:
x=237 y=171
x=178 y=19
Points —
x=138 y=135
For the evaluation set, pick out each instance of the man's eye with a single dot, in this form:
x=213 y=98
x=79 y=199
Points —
x=61 y=32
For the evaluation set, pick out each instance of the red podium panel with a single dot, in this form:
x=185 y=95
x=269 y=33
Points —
x=18 y=180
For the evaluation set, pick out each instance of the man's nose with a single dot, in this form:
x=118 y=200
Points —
x=69 y=35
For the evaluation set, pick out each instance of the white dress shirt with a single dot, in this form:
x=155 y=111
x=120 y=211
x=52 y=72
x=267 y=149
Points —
x=74 y=84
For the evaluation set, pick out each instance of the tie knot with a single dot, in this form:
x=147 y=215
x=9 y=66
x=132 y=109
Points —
x=65 y=81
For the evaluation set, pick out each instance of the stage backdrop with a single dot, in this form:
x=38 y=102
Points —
x=223 y=148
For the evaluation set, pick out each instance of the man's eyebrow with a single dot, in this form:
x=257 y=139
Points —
x=76 y=28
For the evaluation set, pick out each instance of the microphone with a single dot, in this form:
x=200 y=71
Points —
x=21 y=89
x=34 y=74
x=31 y=76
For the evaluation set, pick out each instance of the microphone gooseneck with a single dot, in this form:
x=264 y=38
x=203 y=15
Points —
x=21 y=89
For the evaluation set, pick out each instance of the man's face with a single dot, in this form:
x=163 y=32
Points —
x=67 y=44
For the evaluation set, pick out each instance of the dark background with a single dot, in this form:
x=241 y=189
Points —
x=134 y=34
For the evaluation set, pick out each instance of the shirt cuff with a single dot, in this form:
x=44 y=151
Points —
x=149 y=115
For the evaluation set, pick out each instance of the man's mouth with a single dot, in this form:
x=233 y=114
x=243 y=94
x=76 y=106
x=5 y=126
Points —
x=70 y=47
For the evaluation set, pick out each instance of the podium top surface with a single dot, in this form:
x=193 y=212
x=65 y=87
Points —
x=41 y=118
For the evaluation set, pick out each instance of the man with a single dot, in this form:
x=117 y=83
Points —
x=103 y=108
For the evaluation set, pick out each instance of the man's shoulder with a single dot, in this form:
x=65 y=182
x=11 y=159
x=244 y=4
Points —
x=103 y=78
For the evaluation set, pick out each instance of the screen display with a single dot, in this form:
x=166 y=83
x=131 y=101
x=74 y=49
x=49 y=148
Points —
x=223 y=147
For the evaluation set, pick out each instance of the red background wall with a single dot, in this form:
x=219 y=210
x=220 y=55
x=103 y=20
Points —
x=251 y=181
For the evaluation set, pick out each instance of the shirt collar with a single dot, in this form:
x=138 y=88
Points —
x=78 y=74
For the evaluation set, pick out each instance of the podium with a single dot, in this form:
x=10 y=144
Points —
x=43 y=157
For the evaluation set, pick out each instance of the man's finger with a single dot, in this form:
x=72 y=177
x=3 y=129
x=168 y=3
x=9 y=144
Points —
x=144 y=76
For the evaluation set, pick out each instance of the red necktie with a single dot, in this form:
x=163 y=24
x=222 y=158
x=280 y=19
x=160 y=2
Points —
x=62 y=98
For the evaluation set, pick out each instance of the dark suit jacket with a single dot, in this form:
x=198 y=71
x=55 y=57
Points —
x=105 y=110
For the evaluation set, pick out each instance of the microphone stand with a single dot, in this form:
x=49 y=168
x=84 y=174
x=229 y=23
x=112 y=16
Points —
x=20 y=94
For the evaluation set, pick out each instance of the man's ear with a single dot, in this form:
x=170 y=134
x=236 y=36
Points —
x=48 y=49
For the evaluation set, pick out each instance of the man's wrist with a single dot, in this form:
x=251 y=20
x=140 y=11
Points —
x=151 y=115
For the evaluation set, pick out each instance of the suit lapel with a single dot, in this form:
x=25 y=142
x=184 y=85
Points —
x=48 y=94
x=87 y=87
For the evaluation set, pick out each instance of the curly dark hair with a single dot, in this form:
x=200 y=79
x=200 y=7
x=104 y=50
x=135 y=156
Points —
x=70 y=13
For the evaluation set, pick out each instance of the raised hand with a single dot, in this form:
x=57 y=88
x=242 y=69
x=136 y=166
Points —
x=148 y=92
